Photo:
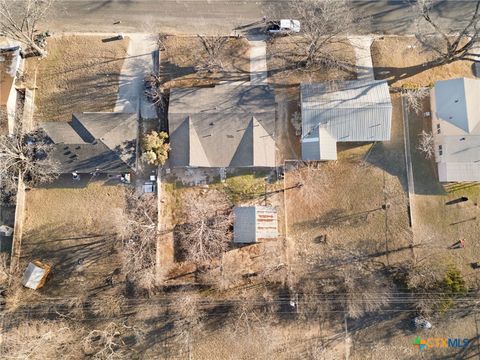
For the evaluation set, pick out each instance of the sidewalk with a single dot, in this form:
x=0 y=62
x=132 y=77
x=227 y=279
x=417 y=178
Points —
x=258 y=60
x=141 y=53
x=363 y=56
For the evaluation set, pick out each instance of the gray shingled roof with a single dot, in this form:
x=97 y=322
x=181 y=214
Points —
x=104 y=141
x=254 y=224
x=223 y=126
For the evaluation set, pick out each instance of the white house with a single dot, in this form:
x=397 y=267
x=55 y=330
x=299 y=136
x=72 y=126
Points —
x=456 y=127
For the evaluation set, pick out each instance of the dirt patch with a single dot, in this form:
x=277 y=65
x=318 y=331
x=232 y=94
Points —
x=400 y=61
x=183 y=53
x=73 y=230
x=283 y=59
x=81 y=73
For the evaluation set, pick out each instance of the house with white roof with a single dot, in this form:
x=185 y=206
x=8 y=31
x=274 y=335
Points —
x=343 y=111
x=456 y=128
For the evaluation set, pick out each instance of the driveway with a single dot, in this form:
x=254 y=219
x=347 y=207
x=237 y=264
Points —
x=141 y=53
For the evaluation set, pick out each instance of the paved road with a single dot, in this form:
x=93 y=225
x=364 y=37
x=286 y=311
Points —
x=221 y=16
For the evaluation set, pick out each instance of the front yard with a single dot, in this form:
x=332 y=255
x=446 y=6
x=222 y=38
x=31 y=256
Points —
x=80 y=74
x=183 y=54
x=400 y=59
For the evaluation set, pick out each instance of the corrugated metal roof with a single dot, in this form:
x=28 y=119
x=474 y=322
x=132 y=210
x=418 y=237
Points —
x=357 y=110
x=254 y=224
x=321 y=147
x=327 y=144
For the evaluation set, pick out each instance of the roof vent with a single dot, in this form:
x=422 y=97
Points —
x=211 y=124
x=456 y=100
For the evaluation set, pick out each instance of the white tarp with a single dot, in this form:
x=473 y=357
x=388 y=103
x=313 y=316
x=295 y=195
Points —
x=33 y=276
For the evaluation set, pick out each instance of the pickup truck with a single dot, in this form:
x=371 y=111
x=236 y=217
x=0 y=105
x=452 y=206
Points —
x=283 y=27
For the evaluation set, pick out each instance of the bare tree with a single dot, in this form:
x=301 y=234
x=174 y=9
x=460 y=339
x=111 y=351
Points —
x=311 y=182
x=138 y=232
x=426 y=144
x=206 y=233
x=211 y=57
x=107 y=343
x=364 y=291
x=19 y=20
x=26 y=155
x=323 y=24
x=189 y=321
x=414 y=98
x=447 y=45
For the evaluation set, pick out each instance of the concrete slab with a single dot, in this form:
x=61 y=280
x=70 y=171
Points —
x=258 y=60
x=141 y=56
x=363 y=56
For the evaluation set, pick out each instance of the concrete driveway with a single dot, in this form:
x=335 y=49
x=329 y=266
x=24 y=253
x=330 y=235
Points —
x=141 y=54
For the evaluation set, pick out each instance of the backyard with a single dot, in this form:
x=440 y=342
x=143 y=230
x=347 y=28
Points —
x=80 y=74
x=74 y=231
x=438 y=223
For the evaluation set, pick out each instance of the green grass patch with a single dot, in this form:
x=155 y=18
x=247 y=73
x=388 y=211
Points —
x=244 y=187
x=453 y=285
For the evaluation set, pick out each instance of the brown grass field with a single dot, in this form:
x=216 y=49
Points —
x=80 y=73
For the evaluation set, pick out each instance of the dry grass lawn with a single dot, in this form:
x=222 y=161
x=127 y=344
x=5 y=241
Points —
x=73 y=230
x=282 y=63
x=399 y=60
x=183 y=53
x=81 y=73
x=436 y=224
x=343 y=200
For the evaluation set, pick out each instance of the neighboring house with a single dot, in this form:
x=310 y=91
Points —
x=254 y=224
x=455 y=107
x=9 y=64
x=227 y=125
x=95 y=142
x=343 y=111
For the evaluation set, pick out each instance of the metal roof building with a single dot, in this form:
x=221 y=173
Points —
x=456 y=127
x=229 y=125
x=343 y=111
x=254 y=224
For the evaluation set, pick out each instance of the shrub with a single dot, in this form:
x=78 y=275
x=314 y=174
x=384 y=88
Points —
x=155 y=148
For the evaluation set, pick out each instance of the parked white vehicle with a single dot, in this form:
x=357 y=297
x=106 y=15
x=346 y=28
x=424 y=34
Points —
x=421 y=323
x=283 y=27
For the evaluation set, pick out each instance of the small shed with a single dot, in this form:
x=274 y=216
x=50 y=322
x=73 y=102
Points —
x=35 y=275
x=254 y=224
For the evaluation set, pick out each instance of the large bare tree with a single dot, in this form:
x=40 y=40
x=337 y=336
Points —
x=447 y=45
x=138 y=231
x=206 y=232
x=210 y=57
x=324 y=23
x=26 y=154
x=19 y=20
